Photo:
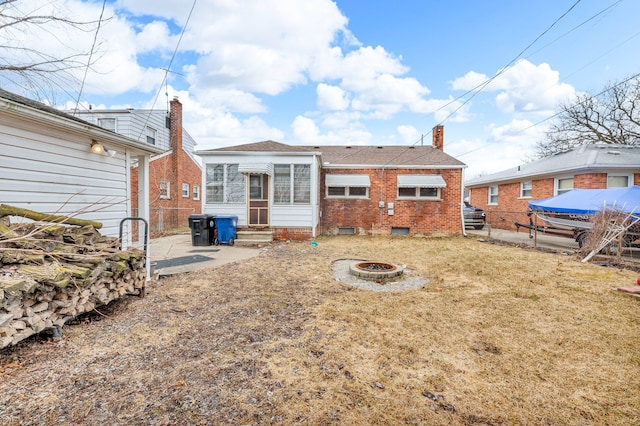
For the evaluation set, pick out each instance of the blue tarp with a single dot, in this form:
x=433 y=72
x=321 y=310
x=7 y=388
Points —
x=588 y=201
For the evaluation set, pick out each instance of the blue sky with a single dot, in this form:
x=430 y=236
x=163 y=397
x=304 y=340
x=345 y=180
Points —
x=355 y=72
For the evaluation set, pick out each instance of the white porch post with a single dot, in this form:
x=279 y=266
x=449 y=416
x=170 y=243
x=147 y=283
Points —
x=143 y=205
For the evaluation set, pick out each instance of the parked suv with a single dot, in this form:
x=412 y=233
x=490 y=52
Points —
x=473 y=216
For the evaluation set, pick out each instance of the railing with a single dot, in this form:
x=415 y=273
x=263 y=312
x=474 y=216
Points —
x=166 y=219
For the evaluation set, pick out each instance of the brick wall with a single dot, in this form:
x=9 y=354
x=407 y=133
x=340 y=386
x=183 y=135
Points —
x=296 y=234
x=511 y=208
x=590 y=181
x=422 y=217
x=177 y=168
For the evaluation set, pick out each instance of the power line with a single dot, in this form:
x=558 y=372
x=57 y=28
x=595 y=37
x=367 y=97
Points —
x=168 y=69
x=93 y=46
x=602 y=92
x=478 y=88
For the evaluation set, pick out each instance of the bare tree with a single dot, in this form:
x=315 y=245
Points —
x=611 y=116
x=25 y=63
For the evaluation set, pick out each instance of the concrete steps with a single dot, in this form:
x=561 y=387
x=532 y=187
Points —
x=253 y=237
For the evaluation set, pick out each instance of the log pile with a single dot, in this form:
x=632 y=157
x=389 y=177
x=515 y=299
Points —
x=50 y=273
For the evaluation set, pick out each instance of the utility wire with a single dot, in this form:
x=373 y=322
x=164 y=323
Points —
x=167 y=70
x=478 y=88
x=602 y=92
x=93 y=46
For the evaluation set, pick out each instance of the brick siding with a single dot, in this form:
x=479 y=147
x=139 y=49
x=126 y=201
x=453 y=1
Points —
x=422 y=217
x=177 y=168
x=511 y=208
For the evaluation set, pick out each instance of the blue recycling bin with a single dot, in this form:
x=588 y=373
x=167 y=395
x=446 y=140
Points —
x=225 y=229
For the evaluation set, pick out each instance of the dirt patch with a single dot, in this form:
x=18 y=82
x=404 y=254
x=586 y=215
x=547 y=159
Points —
x=498 y=336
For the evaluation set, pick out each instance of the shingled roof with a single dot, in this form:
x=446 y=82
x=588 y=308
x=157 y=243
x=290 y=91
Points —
x=40 y=106
x=589 y=158
x=356 y=155
x=386 y=155
x=264 y=146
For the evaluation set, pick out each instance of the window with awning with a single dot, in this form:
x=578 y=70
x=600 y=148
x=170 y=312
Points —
x=420 y=186
x=354 y=186
x=421 y=181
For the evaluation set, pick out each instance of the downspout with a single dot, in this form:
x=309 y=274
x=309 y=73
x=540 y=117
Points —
x=464 y=231
x=380 y=206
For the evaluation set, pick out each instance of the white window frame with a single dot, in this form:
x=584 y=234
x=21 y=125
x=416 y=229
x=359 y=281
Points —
x=165 y=189
x=151 y=135
x=526 y=186
x=417 y=193
x=420 y=187
x=615 y=175
x=299 y=187
x=196 y=192
x=185 y=190
x=105 y=120
x=492 y=195
x=348 y=192
x=232 y=186
x=556 y=184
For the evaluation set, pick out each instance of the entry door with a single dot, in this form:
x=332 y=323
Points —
x=258 y=200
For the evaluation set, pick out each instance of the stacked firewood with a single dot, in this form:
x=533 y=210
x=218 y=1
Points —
x=50 y=273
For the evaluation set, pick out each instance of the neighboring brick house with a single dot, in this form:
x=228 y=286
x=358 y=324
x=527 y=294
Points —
x=505 y=195
x=175 y=176
x=299 y=192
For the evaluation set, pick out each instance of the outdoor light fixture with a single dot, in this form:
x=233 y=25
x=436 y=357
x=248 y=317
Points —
x=98 y=148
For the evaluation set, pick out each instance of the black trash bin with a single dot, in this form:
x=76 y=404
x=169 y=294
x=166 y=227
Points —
x=201 y=234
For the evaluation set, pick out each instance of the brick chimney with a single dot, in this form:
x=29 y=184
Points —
x=175 y=115
x=438 y=137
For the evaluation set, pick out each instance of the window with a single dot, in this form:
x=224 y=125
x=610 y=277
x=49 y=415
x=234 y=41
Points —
x=235 y=185
x=165 y=189
x=526 y=189
x=617 y=181
x=185 y=190
x=420 y=186
x=107 y=123
x=215 y=183
x=224 y=184
x=564 y=185
x=282 y=183
x=354 y=186
x=301 y=184
x=493 y=195
x=151 y=135
x=196 y=192
x=419 y=193
x=292 y=182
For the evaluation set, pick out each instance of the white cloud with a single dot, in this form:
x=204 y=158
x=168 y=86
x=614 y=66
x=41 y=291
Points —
x=307 y=132
x=523 y=87
x=260 y=46
x=409 y=134
x=506 y=146
x=331 y=97
x=469 y=81
x=154 y=35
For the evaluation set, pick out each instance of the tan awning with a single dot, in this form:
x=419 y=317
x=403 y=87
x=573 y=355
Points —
x=256 y=168
x=348 y=180
x=421 y=181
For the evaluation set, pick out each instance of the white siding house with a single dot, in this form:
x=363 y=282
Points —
x=47 y=164
x=266 y=184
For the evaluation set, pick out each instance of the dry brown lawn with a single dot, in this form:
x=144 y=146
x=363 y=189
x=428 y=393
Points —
x=499 y=335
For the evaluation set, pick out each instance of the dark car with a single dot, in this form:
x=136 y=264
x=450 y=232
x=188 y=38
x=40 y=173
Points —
x=473 y=216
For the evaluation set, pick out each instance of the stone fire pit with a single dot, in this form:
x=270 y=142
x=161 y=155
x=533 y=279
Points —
x=376 y=276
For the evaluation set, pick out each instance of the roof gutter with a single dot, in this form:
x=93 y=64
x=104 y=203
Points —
x=79 y=127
